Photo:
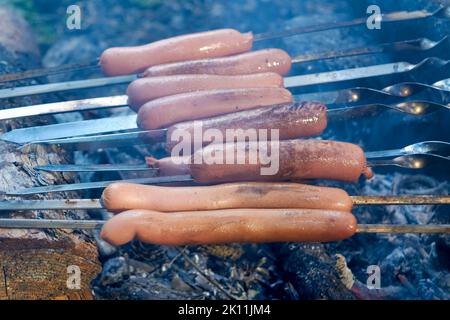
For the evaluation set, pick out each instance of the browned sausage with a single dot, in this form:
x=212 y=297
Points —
x=146 y=89
x=165 y=111
x=170 y=166
x=267 y=60
x=122 y=196
x=210 y=44
x=228 y=226
x=292 y=121
x=297 y=159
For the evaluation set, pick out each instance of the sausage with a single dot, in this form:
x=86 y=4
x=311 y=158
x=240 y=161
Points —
x=295 y=159
x=143 y=90
x=295 y=120
x=267 y=60
x=165 y=111
x=170 y=166
x=228 y=226
x=122 y=196
x=217 y=43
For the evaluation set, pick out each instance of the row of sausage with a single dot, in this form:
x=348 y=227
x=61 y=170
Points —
x=213 y=78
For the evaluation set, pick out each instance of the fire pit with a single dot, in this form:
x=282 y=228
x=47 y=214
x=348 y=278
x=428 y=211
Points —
x=365 y=266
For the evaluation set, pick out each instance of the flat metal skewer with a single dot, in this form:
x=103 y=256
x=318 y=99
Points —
x=289 y=82
x=397 y=93
x=51 y=204
x=50 y=224
x=432 y=67
x=65 y=106
x=102 y=141
x=100 y=184
x=97 y=224
x=91 y=204
x=63 y=86
x=414 y=156
x=94 y=168
x=98 y=133
x=410 y=157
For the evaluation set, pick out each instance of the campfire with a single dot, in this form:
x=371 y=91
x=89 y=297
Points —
x=305 y=159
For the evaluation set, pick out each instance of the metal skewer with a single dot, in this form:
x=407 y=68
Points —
x=50 y=224
x=415 y=161
x=415 y=156
x=394 y=94
x=94 y=168
x=65 y=106
x=90 y=134
x=91 y=204
x=70 y=129
x=433 y=67
x=436 y=149
x=42 y=72
x=403 y=228
x=51 y=204
x=440 y=12
x=429 y=71
x=113 y=140
x=397 y=93
x=422 y=48
x=100 y=185
x=97 y=224
x=400 y=200
x=64 y=86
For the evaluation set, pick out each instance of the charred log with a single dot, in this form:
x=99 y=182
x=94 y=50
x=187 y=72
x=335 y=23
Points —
x=312 y=272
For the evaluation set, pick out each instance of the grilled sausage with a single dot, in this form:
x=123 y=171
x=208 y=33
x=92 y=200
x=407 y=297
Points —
x=122 y=196
x=289 y=160
x=292 y=121
x=210 y=44
x=170 y=166
x=165 y=111
x=267 y=60
x=146 y=89
x=228 y=226
x=295 y=159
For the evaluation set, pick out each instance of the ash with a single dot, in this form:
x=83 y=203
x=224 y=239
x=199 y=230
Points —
x=411 y=266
